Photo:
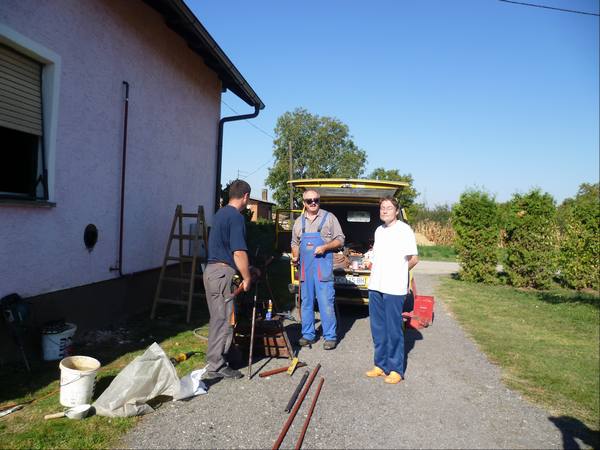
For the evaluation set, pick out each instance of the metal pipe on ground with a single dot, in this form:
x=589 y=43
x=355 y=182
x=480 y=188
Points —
x=310 y=412
x=294 y=396
x=290 y=419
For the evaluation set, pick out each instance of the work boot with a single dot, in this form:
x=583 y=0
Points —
x=393 y=378
x=375 y=372
x=329 y=345
x=228 y=372
x=303 y=342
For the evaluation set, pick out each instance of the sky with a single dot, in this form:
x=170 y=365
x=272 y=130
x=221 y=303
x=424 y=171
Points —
x=460 y=94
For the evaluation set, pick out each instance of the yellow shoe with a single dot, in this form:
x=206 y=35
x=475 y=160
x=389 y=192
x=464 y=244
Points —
x=375 y=372
x=393 y=378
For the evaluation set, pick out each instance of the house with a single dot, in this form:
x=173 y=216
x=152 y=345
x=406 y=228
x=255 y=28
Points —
x=261 y=209
x=109 y=117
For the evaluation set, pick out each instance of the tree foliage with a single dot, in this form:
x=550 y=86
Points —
x=321 y=147
x=475 y=220
x=405 y=196
x=531 y=240
x=579 y=258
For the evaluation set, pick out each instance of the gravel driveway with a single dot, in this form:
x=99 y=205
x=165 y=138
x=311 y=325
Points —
x=452 y=398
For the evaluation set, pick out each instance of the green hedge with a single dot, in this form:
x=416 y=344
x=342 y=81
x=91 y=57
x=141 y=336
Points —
x=531 y=240
x=475 y=220
x=580 y=241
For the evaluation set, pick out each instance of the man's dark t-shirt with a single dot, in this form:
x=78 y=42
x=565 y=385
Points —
x=227 y=235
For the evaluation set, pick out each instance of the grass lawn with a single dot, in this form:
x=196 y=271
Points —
x=546 y=342
x=437 y=253
x=27 y=428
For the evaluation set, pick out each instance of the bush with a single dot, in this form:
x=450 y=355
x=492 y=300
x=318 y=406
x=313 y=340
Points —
x=261 y=241
x=580 y=241
x=475 y=220
x=531 y=240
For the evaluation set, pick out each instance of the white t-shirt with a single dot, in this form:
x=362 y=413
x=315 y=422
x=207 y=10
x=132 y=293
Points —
x=389 y=273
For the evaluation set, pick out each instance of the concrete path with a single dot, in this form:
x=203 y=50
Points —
x=452 y=398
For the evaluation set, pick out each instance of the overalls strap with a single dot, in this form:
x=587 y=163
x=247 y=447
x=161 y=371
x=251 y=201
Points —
x=320 y=225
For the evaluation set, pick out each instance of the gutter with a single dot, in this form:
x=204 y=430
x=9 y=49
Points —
x=257 y=108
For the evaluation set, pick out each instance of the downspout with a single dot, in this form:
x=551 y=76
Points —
x=122 y=214
x=220 y=149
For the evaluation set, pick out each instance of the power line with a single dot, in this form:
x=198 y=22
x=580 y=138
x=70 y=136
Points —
x=250 y=123
x=550 y=7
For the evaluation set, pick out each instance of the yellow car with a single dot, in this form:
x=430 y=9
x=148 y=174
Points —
x=355 y=203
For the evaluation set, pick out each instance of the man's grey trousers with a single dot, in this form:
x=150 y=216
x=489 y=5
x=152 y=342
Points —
x=217 y=284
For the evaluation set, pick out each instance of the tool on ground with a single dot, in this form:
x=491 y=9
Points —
x=293 y=365
x=294 y=411
x=11 y=410
x=182 y=357
x=294 y=396
x=77 y=412
x=252 y=330
x=268 y=373
x=310 y=412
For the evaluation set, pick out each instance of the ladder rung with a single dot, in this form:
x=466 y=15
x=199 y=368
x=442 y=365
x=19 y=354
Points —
x=189 y=214
x=186 y=236
x=172 y=301
x=180 y=258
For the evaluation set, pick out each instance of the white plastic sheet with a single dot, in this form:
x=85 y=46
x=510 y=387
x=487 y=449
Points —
x=191 y=385
x=146 y=377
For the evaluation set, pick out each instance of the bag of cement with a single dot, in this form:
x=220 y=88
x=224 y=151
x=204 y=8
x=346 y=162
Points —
x=191 y=385
x=146 y=377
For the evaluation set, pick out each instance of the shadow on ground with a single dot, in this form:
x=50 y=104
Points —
x=574 y=430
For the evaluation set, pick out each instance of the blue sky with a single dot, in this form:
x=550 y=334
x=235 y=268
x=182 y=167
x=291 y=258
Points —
x=458 y=93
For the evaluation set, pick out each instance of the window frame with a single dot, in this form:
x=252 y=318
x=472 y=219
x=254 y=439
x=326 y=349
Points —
x=51 y=69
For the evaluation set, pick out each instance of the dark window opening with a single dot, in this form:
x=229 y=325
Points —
x=20 y=168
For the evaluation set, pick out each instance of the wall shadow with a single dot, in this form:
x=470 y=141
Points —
x=572 y=430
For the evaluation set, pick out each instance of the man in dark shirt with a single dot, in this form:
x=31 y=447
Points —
x=227 y=255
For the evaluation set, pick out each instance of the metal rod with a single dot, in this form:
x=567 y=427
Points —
x=252 y=332
x=268 y=373
x=310 y=411
x=290 y=418
x=294 y=396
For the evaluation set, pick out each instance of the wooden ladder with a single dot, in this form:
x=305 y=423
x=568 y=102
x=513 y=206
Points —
x=197 y=238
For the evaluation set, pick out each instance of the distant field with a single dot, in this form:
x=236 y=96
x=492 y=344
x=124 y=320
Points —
x=437 y=253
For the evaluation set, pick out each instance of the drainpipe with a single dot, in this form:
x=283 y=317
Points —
x=120 y=263
x=220 y=149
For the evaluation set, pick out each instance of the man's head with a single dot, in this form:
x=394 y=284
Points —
x=239 y=194
x=311 y=199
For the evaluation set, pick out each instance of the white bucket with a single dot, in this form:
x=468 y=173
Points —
x=58 y=345
x=77 y=380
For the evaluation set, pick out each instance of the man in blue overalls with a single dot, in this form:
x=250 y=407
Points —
x=315 y=235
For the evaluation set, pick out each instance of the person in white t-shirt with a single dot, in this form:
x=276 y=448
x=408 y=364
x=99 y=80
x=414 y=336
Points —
x=394 y=254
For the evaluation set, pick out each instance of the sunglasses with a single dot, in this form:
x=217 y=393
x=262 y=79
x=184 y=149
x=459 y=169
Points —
x=310 y=201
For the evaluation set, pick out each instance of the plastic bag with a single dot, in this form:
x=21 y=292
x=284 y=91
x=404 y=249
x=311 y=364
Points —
x=191 y=385
x=146 y=377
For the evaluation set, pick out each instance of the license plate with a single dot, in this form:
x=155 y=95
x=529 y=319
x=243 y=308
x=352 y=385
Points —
x=351 y=280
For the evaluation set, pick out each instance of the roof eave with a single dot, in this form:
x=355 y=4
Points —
x=182 y=20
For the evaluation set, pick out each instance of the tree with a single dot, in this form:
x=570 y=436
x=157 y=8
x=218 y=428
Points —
x=406 y=196
x=475 y=220
x=321 y=146
x=579 y=258
x=531 y=240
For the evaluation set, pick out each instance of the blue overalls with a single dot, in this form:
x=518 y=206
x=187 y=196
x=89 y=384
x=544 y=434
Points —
x=316 y=275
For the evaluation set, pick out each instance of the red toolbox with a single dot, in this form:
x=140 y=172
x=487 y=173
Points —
x=422 y=314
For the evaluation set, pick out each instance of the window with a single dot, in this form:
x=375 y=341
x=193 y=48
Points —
x=22 y=162
x=29 y=93
x=358 y=216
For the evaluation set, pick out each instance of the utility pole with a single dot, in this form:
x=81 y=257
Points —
x=290 y=179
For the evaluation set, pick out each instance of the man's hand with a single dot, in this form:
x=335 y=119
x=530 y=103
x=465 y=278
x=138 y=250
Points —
x=246 y=283
x=320 y=250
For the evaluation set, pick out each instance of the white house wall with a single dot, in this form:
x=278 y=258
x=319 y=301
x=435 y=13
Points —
x=174 y=110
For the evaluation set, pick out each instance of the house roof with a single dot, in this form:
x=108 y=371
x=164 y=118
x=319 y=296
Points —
x=257 y=200
x=182 y=21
